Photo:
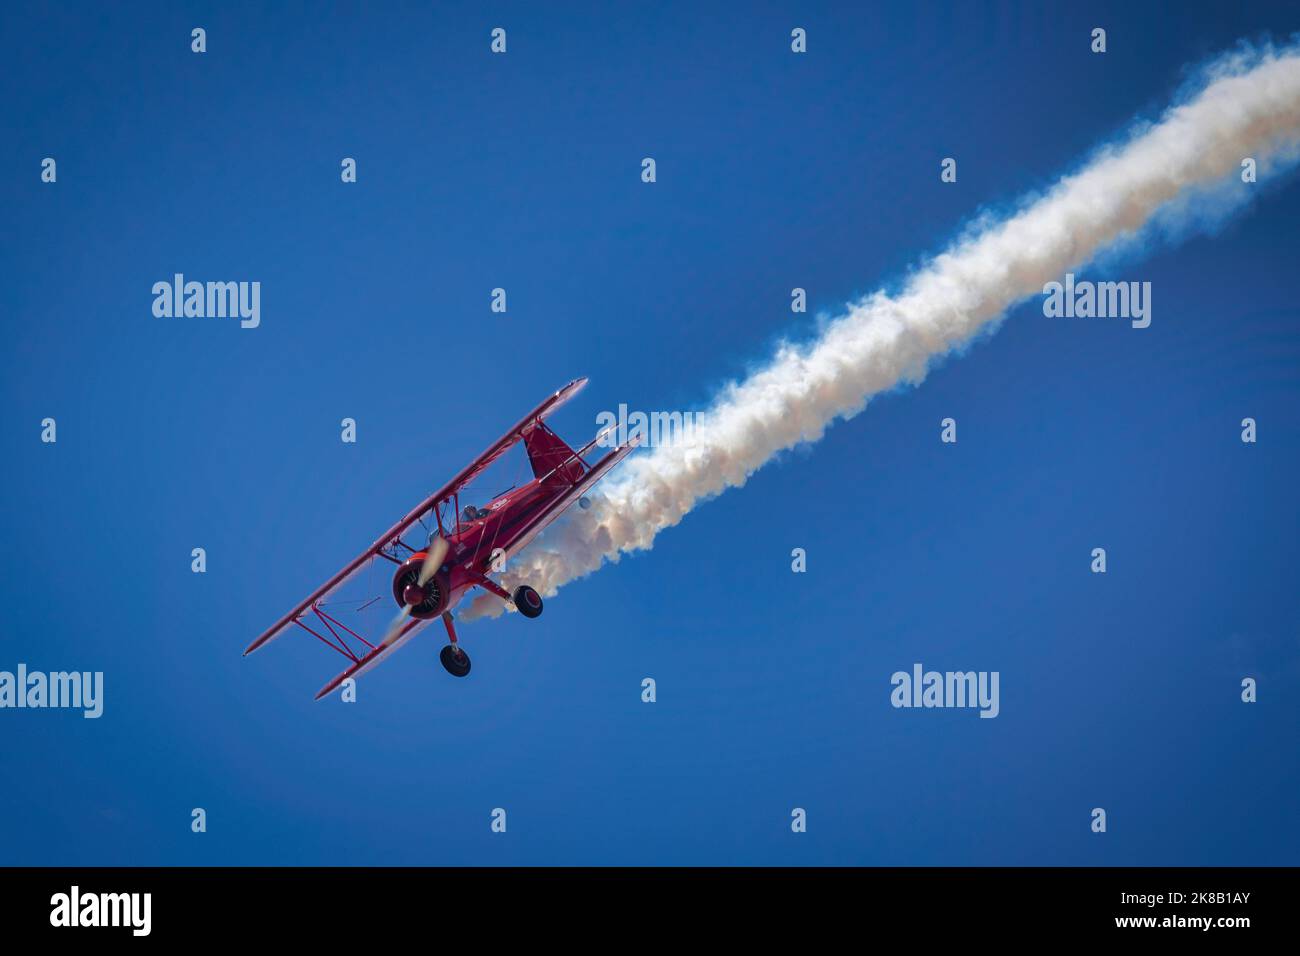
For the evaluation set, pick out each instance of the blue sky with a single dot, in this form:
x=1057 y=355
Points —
x=522 y=171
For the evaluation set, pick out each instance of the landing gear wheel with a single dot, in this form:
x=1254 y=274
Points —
x=455 y=660
x=528 y=601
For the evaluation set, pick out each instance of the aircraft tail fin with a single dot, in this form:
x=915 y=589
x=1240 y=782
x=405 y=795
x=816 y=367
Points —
x=548 y=453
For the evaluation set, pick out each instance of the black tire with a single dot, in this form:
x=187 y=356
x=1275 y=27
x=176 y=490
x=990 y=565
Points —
x=455 y=660
x=528 y=601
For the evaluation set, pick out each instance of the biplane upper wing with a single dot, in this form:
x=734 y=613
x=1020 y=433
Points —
x=466 y=475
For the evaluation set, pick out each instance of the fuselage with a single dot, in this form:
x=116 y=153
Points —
x=480 y=545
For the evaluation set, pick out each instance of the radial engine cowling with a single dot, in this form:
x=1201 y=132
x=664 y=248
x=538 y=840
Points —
x=427 y=601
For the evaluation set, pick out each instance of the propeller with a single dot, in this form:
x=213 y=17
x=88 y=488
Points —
x=438 y=548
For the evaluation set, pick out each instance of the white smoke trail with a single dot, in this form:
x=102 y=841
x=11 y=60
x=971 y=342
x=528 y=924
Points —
x=1248 y=106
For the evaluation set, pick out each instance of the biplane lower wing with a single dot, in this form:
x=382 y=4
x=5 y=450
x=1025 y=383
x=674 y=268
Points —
x=390 y=537
x=374 y=657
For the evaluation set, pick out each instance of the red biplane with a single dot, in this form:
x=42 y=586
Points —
x=465 y=547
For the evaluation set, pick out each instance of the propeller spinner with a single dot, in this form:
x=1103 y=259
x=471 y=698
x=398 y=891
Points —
x=416 y=593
